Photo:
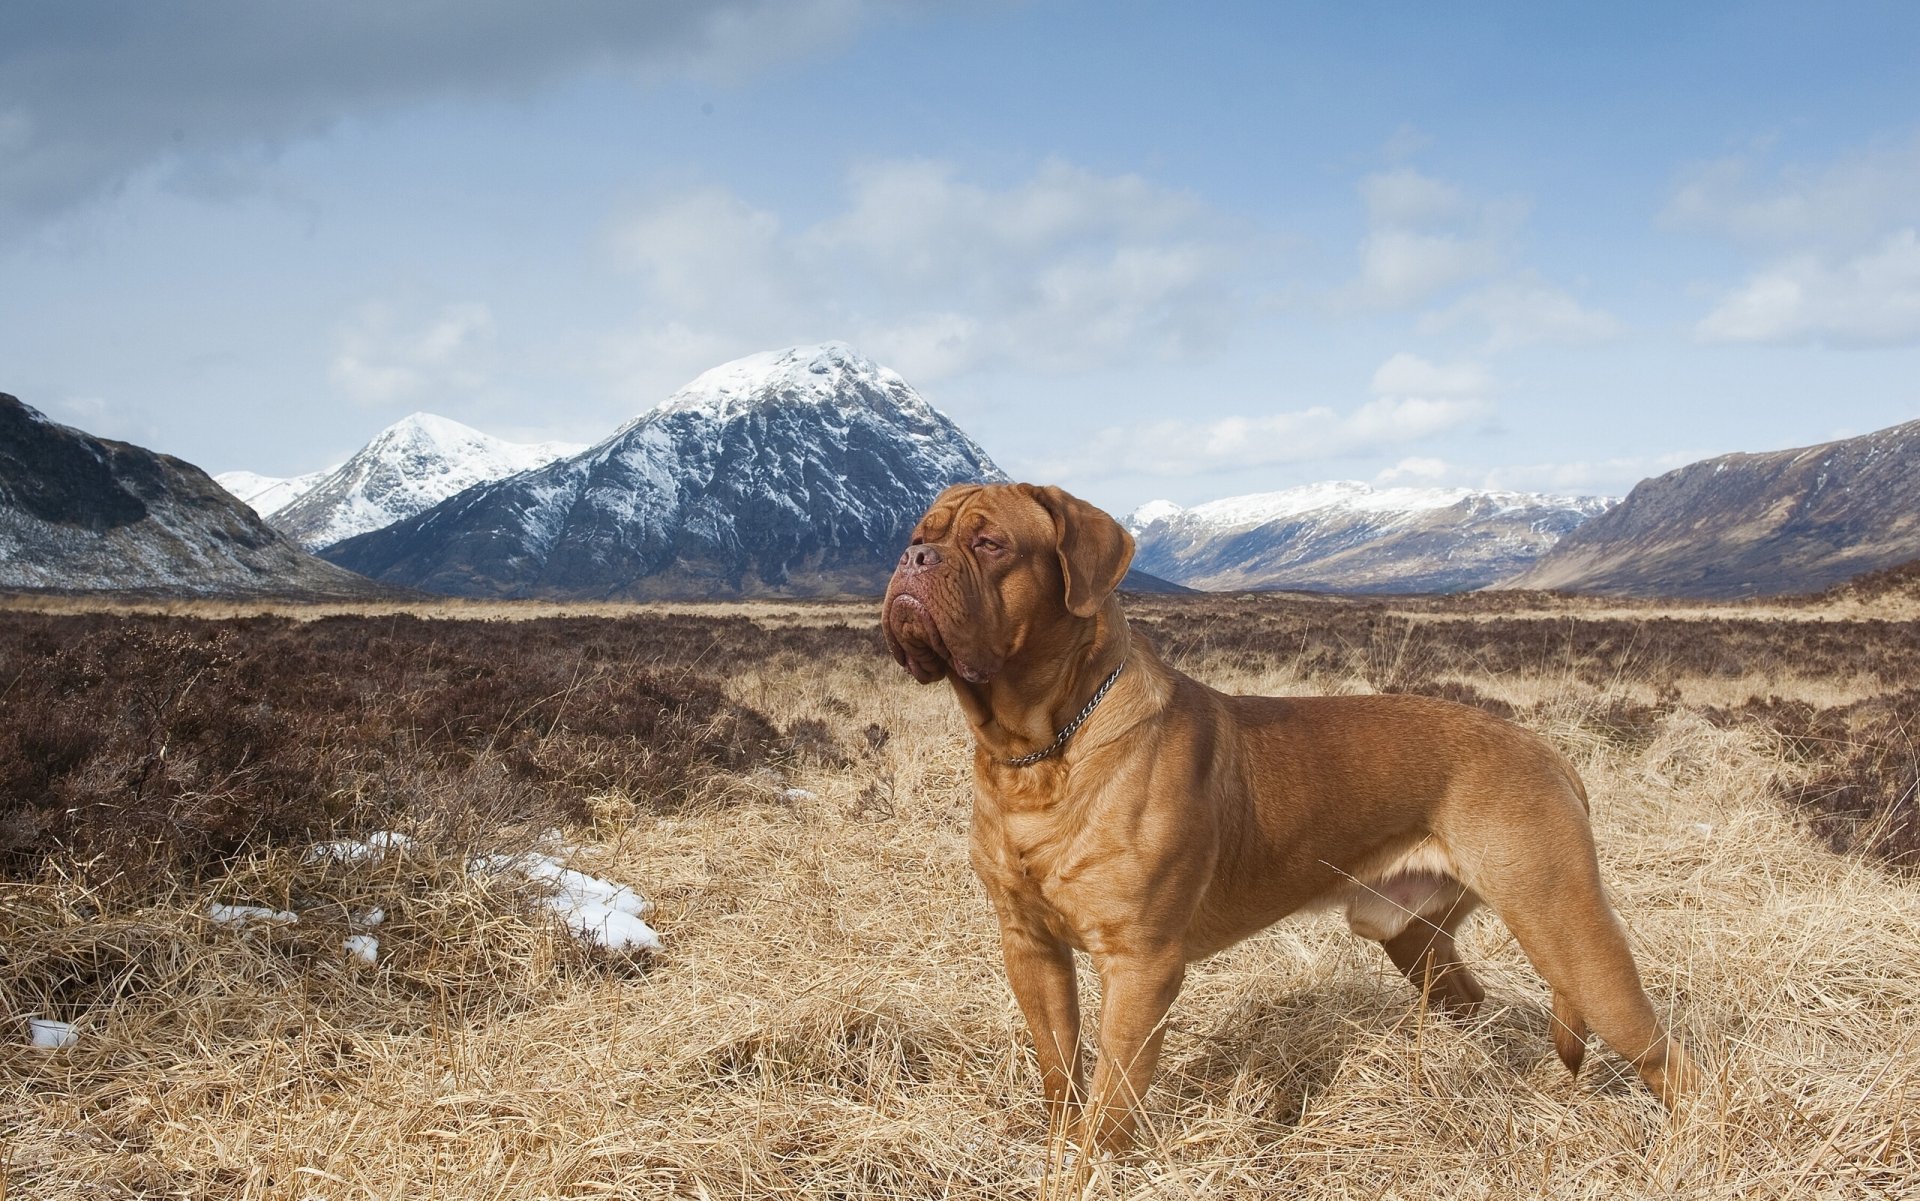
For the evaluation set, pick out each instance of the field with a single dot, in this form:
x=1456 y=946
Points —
x=829 y=1016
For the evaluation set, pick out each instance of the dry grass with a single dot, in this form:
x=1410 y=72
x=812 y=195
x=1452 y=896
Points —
x=830 y=1018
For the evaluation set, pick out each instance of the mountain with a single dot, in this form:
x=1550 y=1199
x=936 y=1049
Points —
x=1346 y=536
x=793 y=472
x=408 y=468
x=267 y=494
x=1751 y=524
x=80 y=513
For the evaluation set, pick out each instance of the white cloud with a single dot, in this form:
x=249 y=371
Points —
x=1423 y=237
x=1402 y=267
x=1843 y=206
x=936 y=275
x=1174 y=448
x=1522 y=310
x=707 y=251
x=1428 y=240
x=1415 y=468
x=1410 y=375
x=1405 y=197
x=1605 y=477
x=1867 y=299
x=1391 y=420
x=378 y=360
x=1840 y=258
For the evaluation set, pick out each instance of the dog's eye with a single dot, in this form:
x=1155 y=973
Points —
x=988 y=545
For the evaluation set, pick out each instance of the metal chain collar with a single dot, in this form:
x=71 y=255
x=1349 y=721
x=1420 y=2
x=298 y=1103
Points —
x=1066 y=732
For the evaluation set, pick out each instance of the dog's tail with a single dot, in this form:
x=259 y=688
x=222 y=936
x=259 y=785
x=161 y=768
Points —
x=1569 y=1032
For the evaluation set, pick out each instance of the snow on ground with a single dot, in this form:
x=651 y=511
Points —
x=608 y=914
x=247 y=915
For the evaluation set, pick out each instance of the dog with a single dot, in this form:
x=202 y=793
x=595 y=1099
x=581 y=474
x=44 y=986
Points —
x=1128 y=811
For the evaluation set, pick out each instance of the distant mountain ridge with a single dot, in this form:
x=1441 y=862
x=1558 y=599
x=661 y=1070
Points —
x=407 y=468
x=268 y=494
x=1347 y=536
x=79 y=512
x=1751 y=524
x=791 y=472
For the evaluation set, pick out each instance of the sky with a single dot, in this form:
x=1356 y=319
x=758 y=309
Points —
x=1144 y=251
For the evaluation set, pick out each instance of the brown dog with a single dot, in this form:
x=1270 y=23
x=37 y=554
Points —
x=1175 y=820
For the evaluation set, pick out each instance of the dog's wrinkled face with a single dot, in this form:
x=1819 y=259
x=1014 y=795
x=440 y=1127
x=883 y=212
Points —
x=992 y=570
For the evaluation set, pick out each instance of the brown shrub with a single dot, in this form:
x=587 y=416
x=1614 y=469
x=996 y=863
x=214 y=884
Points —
x=1861 y=791
x=137 y=747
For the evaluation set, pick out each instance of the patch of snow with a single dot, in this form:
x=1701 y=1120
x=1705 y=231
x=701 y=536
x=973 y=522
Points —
x=607 y=914
x=373 y=848
x=799 y=794
x=49 y=1035
x=364 y=947
x=247 y=915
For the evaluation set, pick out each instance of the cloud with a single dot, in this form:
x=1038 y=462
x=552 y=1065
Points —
x=1606 y=477
x=380 y=361
x=1415 y=468
x=1410 y=375
x=1424 y=236
x=1868 y=299
x=937 y=274
x=1427 y=240
x=92 y=94
x=1381 y=425
x=1838 y=252
x=1523 y=310
x=1843 y=206
x=1405 y=197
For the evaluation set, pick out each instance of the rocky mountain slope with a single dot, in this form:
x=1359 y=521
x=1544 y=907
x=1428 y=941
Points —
x=81 y=513
x=1751 y=524
x=792 y=472
x=1346 y=536
x=408 y=468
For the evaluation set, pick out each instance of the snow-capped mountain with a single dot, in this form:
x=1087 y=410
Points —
x=408 y=468
x=1345 y=536
x=81 y=513
x=790 y=472
x=1752 y=524
x=267 y=494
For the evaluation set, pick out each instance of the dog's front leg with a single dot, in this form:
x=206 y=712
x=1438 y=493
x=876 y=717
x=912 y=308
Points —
x=1040 y=968
x=1136 y=990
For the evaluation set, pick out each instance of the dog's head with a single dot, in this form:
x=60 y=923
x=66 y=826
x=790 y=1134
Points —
x=995 y=571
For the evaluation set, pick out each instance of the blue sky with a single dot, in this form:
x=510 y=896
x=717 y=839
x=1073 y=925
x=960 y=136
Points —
x=1145 y=251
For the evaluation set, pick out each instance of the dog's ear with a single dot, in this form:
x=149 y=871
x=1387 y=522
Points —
x=1094 y=548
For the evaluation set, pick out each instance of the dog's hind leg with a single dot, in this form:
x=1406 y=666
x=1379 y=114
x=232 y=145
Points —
x=1425 y=951
x=1545 y=884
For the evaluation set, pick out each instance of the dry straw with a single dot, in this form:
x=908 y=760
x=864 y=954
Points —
x=830 y=1018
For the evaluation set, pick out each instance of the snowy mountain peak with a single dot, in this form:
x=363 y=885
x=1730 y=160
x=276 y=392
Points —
x=1345 y=535
x=1152 y=511
x=1347 y=496
x=828 y=374
x=407 y=468
x=791 y=472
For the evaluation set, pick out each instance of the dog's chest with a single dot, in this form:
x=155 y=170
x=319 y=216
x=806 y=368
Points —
x=1039 y=862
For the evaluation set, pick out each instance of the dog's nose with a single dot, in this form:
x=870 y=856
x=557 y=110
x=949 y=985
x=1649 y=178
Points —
x=919 y=558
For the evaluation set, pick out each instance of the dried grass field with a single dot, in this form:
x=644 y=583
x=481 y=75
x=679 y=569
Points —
x=829 y=1017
